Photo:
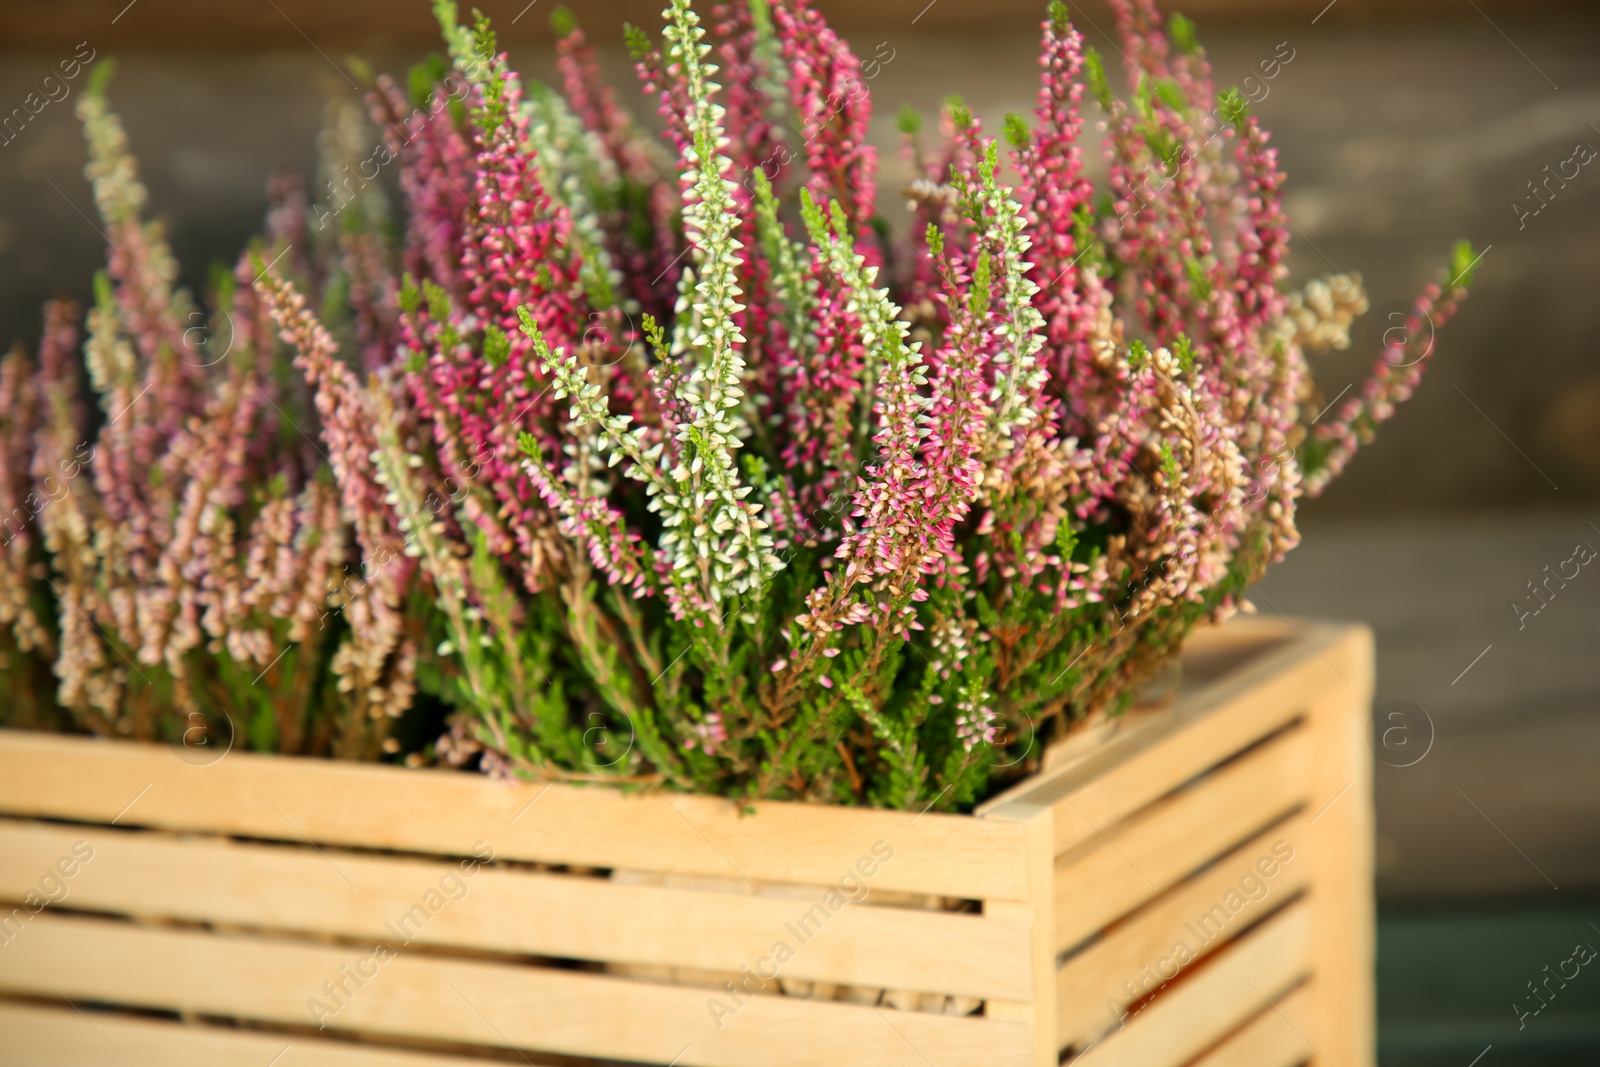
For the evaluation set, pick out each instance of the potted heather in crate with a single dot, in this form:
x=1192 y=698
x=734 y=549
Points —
x=790 y=570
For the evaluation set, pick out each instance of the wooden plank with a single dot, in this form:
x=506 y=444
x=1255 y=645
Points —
x=1235 y=986
x=151 y=874
x=1037 y=915
x=424 y=996
x=50 y=1037
x=1145 y=855
x=1210 y=654
x=450 y=812
x=1138 y=956
x=1199 y=731
x=1275 y=1038
x=1345 y=1027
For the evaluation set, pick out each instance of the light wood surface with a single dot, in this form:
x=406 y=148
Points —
x=1037 y=1012
x=1240 y=982
x=1342 y=842
x=37 y=1036
x=510 y=911
x=1275 y=1038
x=447 y=812
x=1200 y=731
x=424 y=996
x=1091 y=983
x=1128 y=864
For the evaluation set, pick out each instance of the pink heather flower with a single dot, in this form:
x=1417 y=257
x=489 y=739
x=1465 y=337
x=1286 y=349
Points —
x=596 y=107
x=833 y=108
x=435 y=167
x=707 y=735
x=1394 y=378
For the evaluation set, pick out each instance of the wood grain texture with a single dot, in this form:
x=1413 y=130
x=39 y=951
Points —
x=1130 y=863
x=1202 y=729
x=448 y=812
x=443 y=903
x=1096 y=985
x=56 y=1037
x=1342 y=848
x=1037 y=1011
x=424 y=996
x=1275 y=1038
x=1236 y=986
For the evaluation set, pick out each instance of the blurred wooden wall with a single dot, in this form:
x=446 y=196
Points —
x=267 y=23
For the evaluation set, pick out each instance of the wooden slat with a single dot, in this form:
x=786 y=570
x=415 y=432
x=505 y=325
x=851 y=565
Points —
x=1235 y=986
x=1345 y=1027
x=151 y=874
x=1275 y=1038
x=1132 y=862
x=1209 y=655
x=449 y=812
x=1112 y=972
x=53 y=1037
x=1201 y=730
x=1037 y=1011
x=422 y=996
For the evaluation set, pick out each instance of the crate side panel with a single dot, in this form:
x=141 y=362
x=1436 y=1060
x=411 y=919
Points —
x=1275 y=1038
x=425 y=997
x=1345 y=1027
x=1199 y=731
x=1095 y=986
x=1131 y=863
x=455 y=813
x=1241 y=981
x=50 y=1037
x=464 y=904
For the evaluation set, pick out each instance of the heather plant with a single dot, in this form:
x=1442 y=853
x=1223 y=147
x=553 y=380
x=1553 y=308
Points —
x=203 y=570
x=27 y=620
x=726 y=484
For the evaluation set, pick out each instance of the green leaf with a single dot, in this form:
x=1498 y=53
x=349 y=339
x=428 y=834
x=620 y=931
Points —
x=1060 y=18
x=410 y=295
x=100 y=77
x=1017 y=133
x=1169 y=93
x=1184 y=351
x=960 y=113
x=1169 y=462
x=496 y=345
x=1181 y=30
x=422 y=77
x=1462 y=263
x=639 y=43
x=1066 y=539
x=1094 y=73
x=1233 y=107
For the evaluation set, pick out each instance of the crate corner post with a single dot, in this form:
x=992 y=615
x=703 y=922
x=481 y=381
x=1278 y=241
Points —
x=1344 y=920
x=1038 y=913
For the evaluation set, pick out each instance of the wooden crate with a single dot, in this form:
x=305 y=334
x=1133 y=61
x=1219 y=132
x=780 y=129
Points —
x=214 y=915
